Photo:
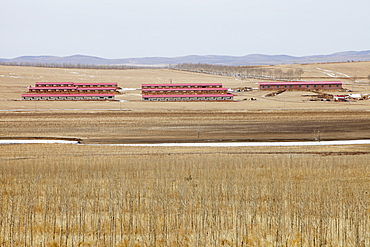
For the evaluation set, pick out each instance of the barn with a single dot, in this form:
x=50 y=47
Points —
x=54 y=84
x=96 y=90
x=68 y=96
x=97 y=85
x=188 y=97
x=39 y=89
x=71 y=91
x=182 y=85
x=301 y=85
x=185 y=92
x=156 y=91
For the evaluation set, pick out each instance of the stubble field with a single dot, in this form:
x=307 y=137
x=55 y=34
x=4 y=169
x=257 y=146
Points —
x=101 y=195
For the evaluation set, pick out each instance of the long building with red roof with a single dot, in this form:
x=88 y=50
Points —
x=68 y=96
x=189 y=97
x=185 y=92
x=71 y=91
x=301 y=85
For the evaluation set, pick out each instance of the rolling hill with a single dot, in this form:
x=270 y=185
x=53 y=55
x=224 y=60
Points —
x=252 y=59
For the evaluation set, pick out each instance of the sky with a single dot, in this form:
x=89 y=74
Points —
x=171 y=28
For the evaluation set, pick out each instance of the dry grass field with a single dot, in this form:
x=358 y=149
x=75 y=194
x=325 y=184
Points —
x=101 y=195
x=78 y=195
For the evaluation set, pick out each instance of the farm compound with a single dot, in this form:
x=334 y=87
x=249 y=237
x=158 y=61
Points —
x=185 y=92
x=301 y=85
x=71 y=91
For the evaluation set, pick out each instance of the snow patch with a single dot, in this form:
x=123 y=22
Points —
x=332 y=73
x=129 y=89
x=5 y=142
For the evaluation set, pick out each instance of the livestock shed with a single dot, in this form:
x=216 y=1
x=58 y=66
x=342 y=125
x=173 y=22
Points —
x=73 y=84
x=185 y=92
x=188 y=97
x=182 y=85
x=155 y=91
x=96 y=84
x=301 y=85
x=71 y=91
x=54 y=84
x=68 y=96
x=40 y=89
x=97 y=90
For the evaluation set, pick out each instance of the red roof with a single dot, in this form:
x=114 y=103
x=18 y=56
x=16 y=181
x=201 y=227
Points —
x=181 y=89
x=65 y=95
x=54 y=83
x=301 y=83
x=182 y=84
x=52 y=87
x=186 y=95
x=96 y=83
x=80 y=88
x=96 y=88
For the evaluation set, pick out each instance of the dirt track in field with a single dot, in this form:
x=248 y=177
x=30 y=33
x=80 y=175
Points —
x=189 y=126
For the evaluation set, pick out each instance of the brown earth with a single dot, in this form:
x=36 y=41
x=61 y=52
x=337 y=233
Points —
x=186 y=126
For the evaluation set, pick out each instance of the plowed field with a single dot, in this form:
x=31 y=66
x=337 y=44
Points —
x=188 y=126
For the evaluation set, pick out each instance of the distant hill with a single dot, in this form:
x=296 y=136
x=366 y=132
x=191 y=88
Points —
x=253 y=59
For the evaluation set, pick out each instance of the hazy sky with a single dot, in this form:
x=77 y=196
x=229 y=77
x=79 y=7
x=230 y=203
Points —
x=169 y=28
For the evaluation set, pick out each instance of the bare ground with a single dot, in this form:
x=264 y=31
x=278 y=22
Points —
x=186 y=126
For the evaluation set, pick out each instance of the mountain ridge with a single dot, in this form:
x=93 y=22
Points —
x=246 y=60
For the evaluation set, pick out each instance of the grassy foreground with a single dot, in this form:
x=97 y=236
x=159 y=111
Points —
x=68 y=195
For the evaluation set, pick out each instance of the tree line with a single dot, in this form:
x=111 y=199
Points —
x=244 y=72
x=75 y=65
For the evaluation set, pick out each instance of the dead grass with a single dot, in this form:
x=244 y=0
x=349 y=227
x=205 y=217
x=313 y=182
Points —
x=69 y=195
